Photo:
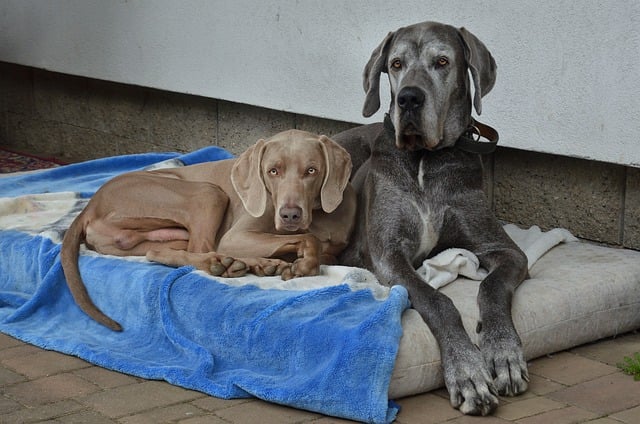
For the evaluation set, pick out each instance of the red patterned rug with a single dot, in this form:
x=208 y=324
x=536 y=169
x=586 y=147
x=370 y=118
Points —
x=17 y=162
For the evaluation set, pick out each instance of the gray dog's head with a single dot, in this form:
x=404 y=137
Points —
x=428 y=66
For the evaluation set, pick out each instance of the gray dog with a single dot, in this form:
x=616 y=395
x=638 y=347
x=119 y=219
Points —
x=420 y=192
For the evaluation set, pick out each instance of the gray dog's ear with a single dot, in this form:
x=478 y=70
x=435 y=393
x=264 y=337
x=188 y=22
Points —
x=246 y=178
x=481 y=65
x=371 y=76
x=338 y=164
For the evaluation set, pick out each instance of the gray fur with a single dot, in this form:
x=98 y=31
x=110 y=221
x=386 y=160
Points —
x=419 y=195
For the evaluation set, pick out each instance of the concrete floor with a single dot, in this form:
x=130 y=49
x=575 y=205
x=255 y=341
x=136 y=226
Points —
x=575 y=386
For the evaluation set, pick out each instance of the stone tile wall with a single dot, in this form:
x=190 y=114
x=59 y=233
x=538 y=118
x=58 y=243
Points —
x=73 y=119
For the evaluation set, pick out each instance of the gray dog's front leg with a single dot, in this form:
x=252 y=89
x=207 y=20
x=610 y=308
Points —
x=499 y=341
x=466 y=376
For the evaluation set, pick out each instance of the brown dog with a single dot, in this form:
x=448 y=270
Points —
x=283 y=207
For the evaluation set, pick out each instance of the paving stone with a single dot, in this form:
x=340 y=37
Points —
x=332 y=420
x=44 y=362
x=50 y=389
x=117 y=402
x=9 y=377
x=568 y=368
x=210 y=403
x=610 y=351
x=605 y=395
x=527 y=408
x=539 y=385
x=629 y=416
x=167 y=414
x=8 y=405
x=264 y=413
x=41 y=413
x=105 y=379
x=18 y=351
x=607 y=421
x=8 y=341
x=569 y=415
x=425 y=408
x=84 y=417
x=207 y=419
x=468 y=419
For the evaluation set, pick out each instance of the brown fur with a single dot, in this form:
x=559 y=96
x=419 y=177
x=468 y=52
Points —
x=283 y=207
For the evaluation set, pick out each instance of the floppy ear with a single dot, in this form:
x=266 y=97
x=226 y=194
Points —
x=481 y=65
x=371 y=76
x=338 y=164
x=246 y=178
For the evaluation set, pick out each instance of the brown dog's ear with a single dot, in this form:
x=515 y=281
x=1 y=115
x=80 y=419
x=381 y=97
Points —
x=246 y=178
x=481 y=65
x=371 y=76
x=338 y=164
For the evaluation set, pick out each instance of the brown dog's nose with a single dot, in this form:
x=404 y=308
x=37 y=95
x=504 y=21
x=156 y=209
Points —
x=410 y=98
x=291 y=215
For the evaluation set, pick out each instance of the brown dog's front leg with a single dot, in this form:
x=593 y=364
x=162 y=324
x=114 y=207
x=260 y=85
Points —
x=308 y=249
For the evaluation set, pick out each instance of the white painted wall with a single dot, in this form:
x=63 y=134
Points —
x=568 y=71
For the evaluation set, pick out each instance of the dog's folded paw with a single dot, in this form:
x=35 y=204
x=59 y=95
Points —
x=227 y=267
x=302 y=267
x=266 y=266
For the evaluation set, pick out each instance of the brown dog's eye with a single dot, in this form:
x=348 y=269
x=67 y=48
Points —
x=311 y=171
x=442 y=61
x=273 y=172
x=396 y=64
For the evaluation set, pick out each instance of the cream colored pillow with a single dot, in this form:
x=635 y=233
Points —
x=578 y=292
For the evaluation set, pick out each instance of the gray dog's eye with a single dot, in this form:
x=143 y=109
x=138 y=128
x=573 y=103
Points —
x=442 y=61
x=396 y=64
x=311 y=171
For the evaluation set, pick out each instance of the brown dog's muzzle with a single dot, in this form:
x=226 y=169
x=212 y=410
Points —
x=290 y=218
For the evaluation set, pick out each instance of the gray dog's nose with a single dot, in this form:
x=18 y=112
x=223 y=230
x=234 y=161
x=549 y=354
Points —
x=291 y=215
x=410 y=98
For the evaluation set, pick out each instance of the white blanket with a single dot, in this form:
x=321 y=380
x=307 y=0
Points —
x=445 y=267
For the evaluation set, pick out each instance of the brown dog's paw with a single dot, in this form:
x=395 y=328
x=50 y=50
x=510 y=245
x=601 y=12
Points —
x=227 y=267
x=303 y=267
x=211 y=262
x=270 y=267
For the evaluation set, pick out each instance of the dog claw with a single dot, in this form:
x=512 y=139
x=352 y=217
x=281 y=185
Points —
x=217 y=269
x=227 y=261
x=237 y=266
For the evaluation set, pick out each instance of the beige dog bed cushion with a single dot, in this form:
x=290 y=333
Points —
x=577 y=292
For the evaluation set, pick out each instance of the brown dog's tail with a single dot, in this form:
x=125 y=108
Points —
x=69 y=255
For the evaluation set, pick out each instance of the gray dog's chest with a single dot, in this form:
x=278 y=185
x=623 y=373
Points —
x=424 y=202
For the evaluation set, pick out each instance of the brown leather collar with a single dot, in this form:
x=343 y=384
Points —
x=470 y=140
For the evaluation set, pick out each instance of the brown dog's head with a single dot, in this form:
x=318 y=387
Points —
x=298 y=171
x=428 y=66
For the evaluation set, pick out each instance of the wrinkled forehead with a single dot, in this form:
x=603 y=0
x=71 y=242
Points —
x=429 y=39
x=292 y=148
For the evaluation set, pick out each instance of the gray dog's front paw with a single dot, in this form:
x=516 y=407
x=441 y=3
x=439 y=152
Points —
x=470 y=386
x=506 y=363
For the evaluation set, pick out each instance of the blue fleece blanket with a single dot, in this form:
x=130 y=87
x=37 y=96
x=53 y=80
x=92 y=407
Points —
x=326 y=344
